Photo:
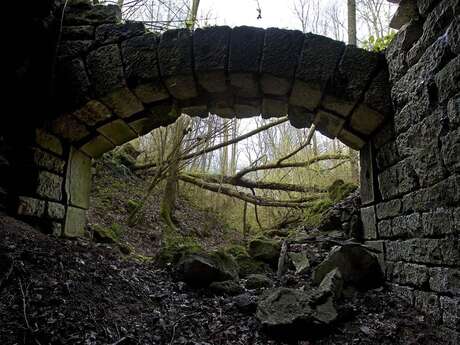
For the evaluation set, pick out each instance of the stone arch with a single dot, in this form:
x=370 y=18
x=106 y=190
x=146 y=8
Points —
x=117 y=81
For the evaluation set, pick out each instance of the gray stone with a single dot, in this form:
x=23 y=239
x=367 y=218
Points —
x=73 y=83
x=210 y=51
x=405 y=293
x=142 y=69
x=78 y=181
x=98 y=14
x=48 y=161
x=388 y=183
x=300 y=117
x=429 y=304
x=48 y=142
x=117 y=132
x=49 y=185
x=93 y=113
x=453 y=111
x=246 y=303
x=292 y=314
x=384 y=135
x=369 y=223
x=448 y=80
x=75 y=222
x=105 y=69
x=453 y=36
x=407 y=226
x=176 y=66
x=73 y=49
x=385 y=229
x=245 y=54
x=445 y=280
x=407 y=11
x=280 y=58
x=358 y=266
x=272 y=107
x=31 y=207
x=228 y=287
x=300 y=261
x=451 y=311
x=319 y=58
x=333 y=283
x=123 y=102
x=367 y=175
x=410 y=274
x=115 y=33
x=56 y=210
x=258 y=281
x=387 y=155
x=328 y=124
x=439 y=221
x=352 y=140
x=265 y=250
x=350 y=80
x=78 y=32
x=388 y=209
x=97 y=146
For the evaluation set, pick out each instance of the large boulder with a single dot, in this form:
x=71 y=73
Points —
x=258 y=281
x=291 y=314
x=358 y=266
x=266 y=250
x=201 y=269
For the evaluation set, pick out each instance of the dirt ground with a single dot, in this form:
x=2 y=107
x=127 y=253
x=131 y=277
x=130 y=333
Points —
x=76 y=292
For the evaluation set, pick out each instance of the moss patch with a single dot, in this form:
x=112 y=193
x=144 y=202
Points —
x=339 y=190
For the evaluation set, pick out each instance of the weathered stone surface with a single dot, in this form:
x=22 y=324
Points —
x=265 y=250
x=78 y=181
x=300 y=117
x=200 y=270
x=350 y=79
x=258 y=281
x=358 y=266
x=99 y=14
x=406 y=293
x=105 y=69
x=300 y=261
x=448 y=80
x=245 y=54
x=97 y=146
x=328 y=124
x=272 y=107
x=389 y=209
x=407 y=11
x=117 y=132
x=243 y=108
x=68 y=127
x=78 y=32
x=31 y=207
x=387 y=155
x=279 y=61
x=428 y=303
x=451 y=312
x=407 y=225
x=176 y=66
x=73 y=83
x=55 y=210
x=351 y=139
x=73 y=49
x=115 y=33
x=319 y=58
x=453 y=36
x=440 y=221
x=75 y=222
x=48 y=161
x=369 y=222
x=143 y=126
x=49 y=186
x=142 y=69
x=210 y=51
x=367 y=174
x=123 y=102
x=333 y=283
x=293 y=314
x=445 y=280
x=384 y=135
x=450 y=151
x=409 y=274
x=384 y=229
x=228 y=287
x=93 y=113
x=48 y=141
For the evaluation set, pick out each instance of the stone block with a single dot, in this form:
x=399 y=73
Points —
x=245 y=55
x=388 y=183
x=75 y=222
x=48 y=141
x=93 y=113
x=115 y=33
x=410 y=274
x=448 y=80
x=72 y=49
x=195 y=110
x=385 y=229
x=300 y=117
x=406 y=293
x=387 y=155
x=328 y=124
x=123 y=103
x=142 y=68
x=56 y=229
x=429 y=304
x=143 y=125
x=369 y=223
x=78 y=179
x=445 y=280
x=176 y=63
x=98 y=14
x=68 y=127
x=244 y=108
x=450 y=307
x=453 y=36
x=31 y=207
x=318 y=60
x=210 y=52
x=378 y=245
x=389 y=209
x=73 y=84
x=117 y=132
x=407 y=11
x=351 y=139
x=279 y=61
x=78 y=32
x=55 y=210
x=384 y=135
x=48 y=161
x=348 y=85
x=273 y=107
x=97 y=146
x=49 y=185
x=407 y=177
x=453 y=111
x=367 y=174
x=440 y=221
x=105 y=69
x=407 y=226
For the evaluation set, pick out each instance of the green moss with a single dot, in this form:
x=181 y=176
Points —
x=339 y=190
x=175 y=247
x=314 y=214
x=111 y=234
x=236 y=250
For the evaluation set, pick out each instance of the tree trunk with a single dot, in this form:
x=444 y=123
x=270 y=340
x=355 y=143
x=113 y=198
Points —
x=351 y=9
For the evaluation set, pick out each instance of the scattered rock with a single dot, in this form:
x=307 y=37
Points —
x=265 y=250
x=200 y=270
x=228 y=287
x=246 y=303
x=258 y=281
x=358 y=266
x=300 y=261
x=294 y=314
x=333 y=283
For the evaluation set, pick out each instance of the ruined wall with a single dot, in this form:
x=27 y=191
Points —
x=411 y=192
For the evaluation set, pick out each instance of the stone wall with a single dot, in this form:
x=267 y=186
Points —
x=412 y=200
